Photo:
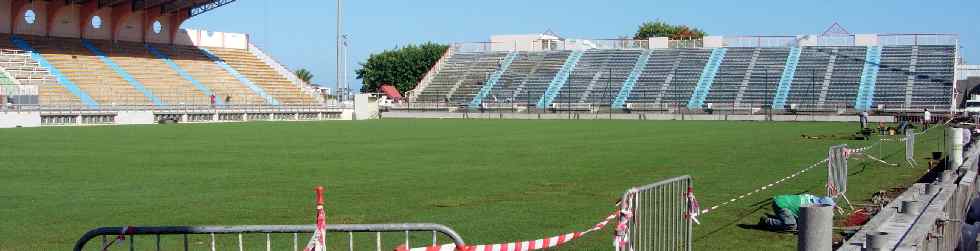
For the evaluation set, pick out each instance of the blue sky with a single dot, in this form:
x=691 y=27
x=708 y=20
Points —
x=301 y=33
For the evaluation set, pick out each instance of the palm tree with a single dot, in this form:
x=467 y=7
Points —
x=304 y=75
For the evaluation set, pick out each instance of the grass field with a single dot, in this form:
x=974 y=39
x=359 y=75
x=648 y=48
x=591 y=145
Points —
x=493 y=181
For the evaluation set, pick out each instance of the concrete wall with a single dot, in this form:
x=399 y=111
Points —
x=714 y=41
x=37 y=28
x=5 y=12
x=162 y=37
x=20 y=119
x=102 y=32
x=523 y=42
x=212 y=39
x=183 y=38
x=365 y=107
x=866 y=40
x=135 y=118
x=65 y=23
x=659 y=42
x=131 y=29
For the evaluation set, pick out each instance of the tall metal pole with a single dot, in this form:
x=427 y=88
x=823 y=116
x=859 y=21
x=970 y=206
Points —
x=340 y=49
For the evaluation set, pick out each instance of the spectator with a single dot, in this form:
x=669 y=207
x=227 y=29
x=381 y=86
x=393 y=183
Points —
x=212 y=100
x=227 y=99
x=926 y=119
x=864 y=119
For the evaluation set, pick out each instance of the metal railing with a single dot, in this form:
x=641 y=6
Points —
x=660 y=219
x=112 y=235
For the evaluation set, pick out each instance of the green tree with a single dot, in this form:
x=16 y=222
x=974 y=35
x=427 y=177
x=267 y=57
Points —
x=402 y=67
x=304 y=75
x=660 y=28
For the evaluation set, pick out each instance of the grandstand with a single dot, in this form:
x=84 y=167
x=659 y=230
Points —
x=64 y=59
x=808 y=73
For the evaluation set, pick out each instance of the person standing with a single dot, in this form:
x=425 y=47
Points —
x=926 y=119
x=864 y=119
x=212 y=100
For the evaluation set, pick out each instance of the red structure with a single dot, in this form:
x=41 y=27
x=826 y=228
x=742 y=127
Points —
x=391 y=92
x=127 y=20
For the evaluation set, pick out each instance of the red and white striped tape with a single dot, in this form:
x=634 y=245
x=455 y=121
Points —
x=783 y=180
x=550 y=242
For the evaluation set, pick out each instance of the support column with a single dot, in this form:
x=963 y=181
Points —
x=86 y=12
x=120 y=14
x=954 y=147
x=816 y=228
x=52 y=8
x=16 y=11
x=176 y=20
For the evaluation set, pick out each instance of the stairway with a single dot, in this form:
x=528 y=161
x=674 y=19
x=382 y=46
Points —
x=747 y=77
x=786 y=80
x=910 y=85
x=707 y=78
x=560 y=79
x=205 y=91
x=494 y=78
x=825 y=87
x=872 y=63
x=620 y=101
x=588 y=89
x=668 y=80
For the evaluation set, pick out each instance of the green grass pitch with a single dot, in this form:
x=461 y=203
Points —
x=492 y=180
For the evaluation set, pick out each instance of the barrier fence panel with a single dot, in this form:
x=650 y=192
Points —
x=837 y=171
x=659 y=216
x=910 y=147
x=125 y=237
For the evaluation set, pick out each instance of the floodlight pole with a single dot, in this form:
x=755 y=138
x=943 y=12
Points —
x=337 y=86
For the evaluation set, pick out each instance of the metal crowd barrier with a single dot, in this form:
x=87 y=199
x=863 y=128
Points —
x=109 y=234
x=660 y=215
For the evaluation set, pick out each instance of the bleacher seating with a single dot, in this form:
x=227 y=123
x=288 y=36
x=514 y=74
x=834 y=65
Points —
x=528 y=77
x=85 y=69
x=825 y=78
x=598 y=76
x=262 y=74
x=707 y=78
x=560 y=79
x=198 y=66
x=71 y=72
x=25 y=70
x=462 y=76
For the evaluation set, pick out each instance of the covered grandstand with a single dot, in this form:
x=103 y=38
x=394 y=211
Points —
x=826 y=73
x=83 y=61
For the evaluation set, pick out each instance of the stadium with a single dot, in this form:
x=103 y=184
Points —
x=122 y=130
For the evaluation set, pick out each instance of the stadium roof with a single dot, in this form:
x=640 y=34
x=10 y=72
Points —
x=193 y=7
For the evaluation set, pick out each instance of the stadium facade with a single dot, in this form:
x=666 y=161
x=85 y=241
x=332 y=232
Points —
x=128 y=61
x=826 y=73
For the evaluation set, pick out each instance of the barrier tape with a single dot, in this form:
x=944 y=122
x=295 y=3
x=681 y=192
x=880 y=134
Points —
x=783 y=180
x=318 y=242
x=550 y=242
x=127 y=230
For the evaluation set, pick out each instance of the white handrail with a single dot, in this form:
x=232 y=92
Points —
x=284 y=72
